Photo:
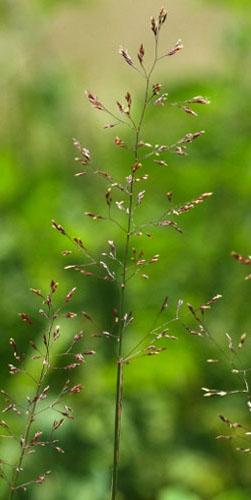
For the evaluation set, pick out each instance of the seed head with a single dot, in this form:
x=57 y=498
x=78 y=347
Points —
x=241 y=258
x=26 y=318
x=70 y=294
x=58 y=227
x=126 y=56
x=141 y=53
x=198 y=100
x=154 y=26
x=119 y=142
x=178 y=46
x=162 y=17
x=94 y=100
x=128 y=99
x=76 y=388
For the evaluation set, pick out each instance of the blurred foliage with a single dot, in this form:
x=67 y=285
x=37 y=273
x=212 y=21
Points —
x=168 y=446
x=236 y=4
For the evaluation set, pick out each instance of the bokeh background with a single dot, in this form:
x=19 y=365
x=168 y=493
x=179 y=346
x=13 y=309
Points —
x=50 y=52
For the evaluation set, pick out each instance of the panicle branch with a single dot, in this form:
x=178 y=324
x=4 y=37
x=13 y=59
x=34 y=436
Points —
x=34 y=405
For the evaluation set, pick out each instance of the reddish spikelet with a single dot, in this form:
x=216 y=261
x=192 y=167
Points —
x=86 y=273
x=58 y=449
x=140 y=197
x=136 y=166
x=128 y=99
x=154 y=26
x=70 y=294
x=180 y=151
x=58 y=227
x=77 y=337
x=67 y=415
x=71 y=367
x=41 y=479
x=86 y=315
x=78 y=242
x=79 y=357
x=192 y=310
x=14 y=346
x=79 y=174
x=56 y=333
x=72 y=266
x=160 y=162
x=169 y=223
x=189 y=110
x=26 y=318
x=198 y=100
x=157 y=87
x=93 y=216
x=230 y=343
x=105 y=174
x=177 y=47
x=193 y=332
x=141 y=53
x=13 y=369
x=33 y=345
x=190 y=206
x=35 y=438
x=56 y=424
x=191 y=137
x=119 y=142
x=36 y=292
x=123 y=52
x=108 y=197
x=210 y=302
x=94 y=100
x=84 y=152
x=53 y=286
x=70 y=315
x=165 y=304
x=76 y=388
x=241 y=258
x=122 y=110
x=242 y=340
x=161 y=100
x=109 y=125
x=162 y=17
x=224 y=437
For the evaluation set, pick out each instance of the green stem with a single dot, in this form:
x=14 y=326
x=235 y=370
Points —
x=120 y=381
x=119 y=388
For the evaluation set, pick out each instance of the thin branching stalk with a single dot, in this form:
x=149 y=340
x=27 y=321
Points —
x=152 y=97
x=30 y=410
x=231 y=360
x=30 y=419
x=120 y=377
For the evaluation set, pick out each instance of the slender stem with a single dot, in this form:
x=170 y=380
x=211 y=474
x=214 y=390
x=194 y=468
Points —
x=119 y=388
x=116 y=118
x=120 y=367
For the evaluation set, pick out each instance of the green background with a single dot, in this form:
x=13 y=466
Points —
x=51 y=51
